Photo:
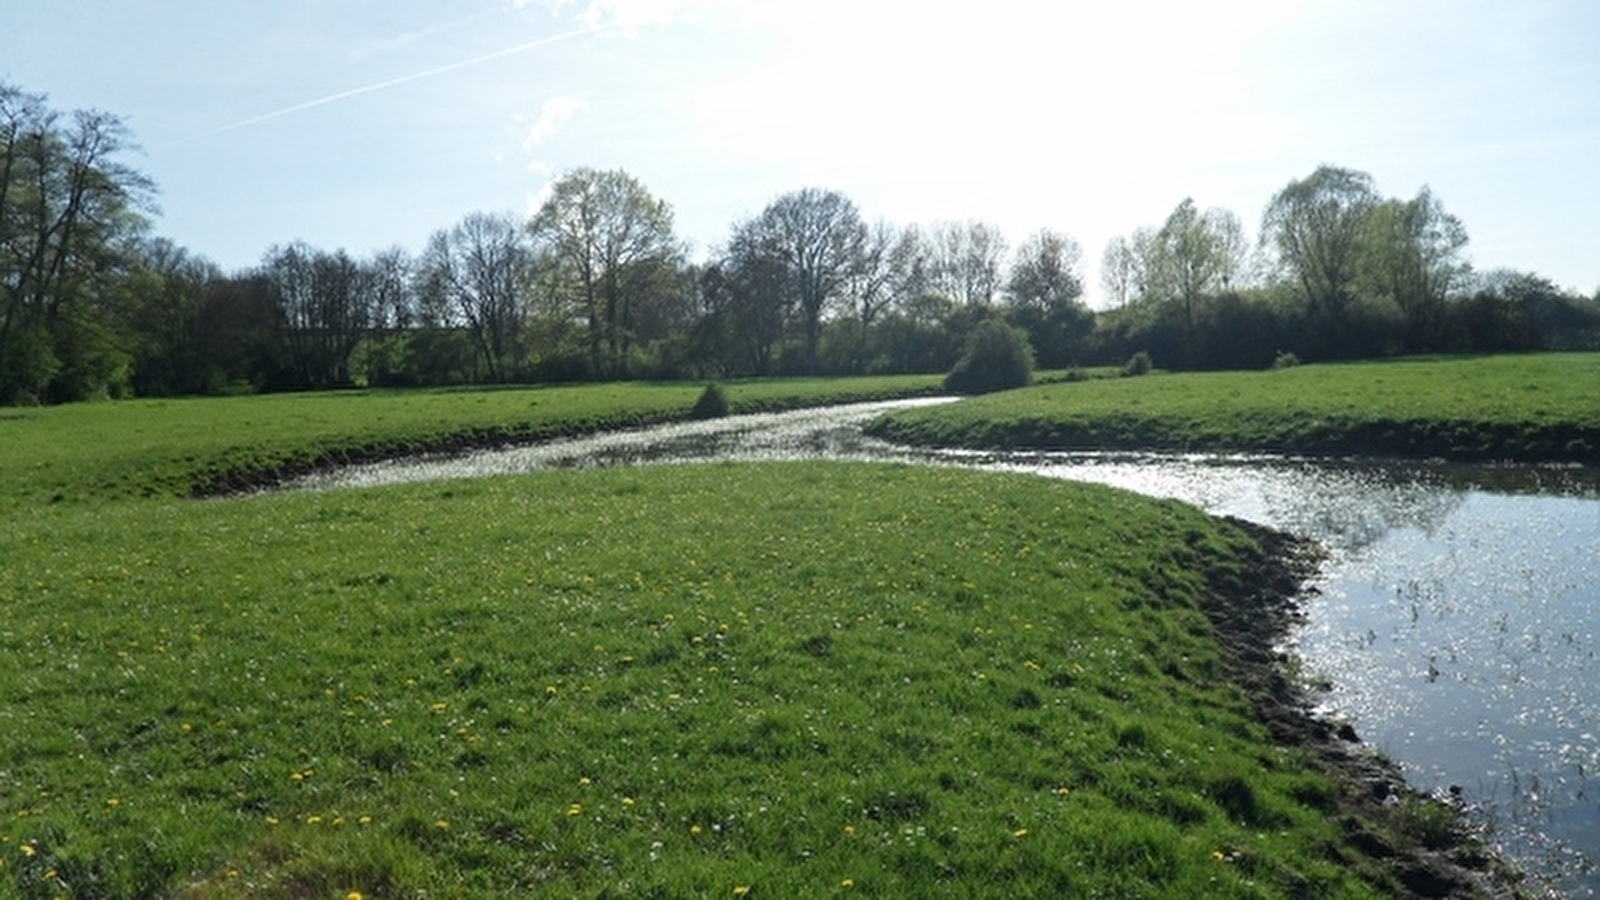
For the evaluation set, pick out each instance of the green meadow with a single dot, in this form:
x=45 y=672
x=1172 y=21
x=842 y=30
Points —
x=1541 y=407
x=181 y=447
x=779 y=680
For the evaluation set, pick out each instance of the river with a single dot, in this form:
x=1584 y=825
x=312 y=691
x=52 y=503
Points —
x=1453 y=623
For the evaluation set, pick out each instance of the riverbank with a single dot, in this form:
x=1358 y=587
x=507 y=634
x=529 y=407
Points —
x=1427 y=843
x=1536 y=408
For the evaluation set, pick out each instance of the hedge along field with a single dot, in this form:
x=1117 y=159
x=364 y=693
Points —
x=1529 y=408
x=792 y=679
x=179 y=447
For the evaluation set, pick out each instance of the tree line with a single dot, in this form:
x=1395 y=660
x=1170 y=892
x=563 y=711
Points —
x=597 y=285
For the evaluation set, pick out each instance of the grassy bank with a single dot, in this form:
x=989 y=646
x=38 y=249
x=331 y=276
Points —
x=1529 y=408
x=778 y=680
x=197 y=445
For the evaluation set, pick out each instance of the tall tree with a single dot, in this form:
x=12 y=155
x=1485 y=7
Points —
x=1192 y=256
x=69 y=210
x=157 y=312
x=477 y=274
x=1122 y=271
x=1043 y=290
x=1044 y=273
x=968 y=261
x=1317 y=225
x=817 y=238
x=606 y=243
x=1415 y=258
x=326 y=310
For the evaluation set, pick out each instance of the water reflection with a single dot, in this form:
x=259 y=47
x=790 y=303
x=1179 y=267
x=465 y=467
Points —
x=1455 y=616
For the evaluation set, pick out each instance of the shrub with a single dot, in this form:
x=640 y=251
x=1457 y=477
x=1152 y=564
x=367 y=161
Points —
x=713 y=403
x=1138 y=364
x=1285 y=360
x=997 y=357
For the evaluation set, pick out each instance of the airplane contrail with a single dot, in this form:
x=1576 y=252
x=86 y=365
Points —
x=393 y=82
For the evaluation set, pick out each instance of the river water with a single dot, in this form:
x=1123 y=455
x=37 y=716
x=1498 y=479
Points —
x=1454 y=622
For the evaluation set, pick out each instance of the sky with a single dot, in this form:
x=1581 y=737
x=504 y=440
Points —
x=367 y=124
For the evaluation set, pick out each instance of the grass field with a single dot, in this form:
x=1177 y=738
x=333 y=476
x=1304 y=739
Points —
x=1529 y=408
x=795 y=679
x=178 y=447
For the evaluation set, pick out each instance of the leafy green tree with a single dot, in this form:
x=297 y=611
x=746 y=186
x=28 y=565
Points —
x=1122 y=274
x=1192 y=257
x=1318 y=225
x=157 y=306
x=607 y=248
x=69 y=210
x=1415 y=259
x=238 y=334
x=812 y=242
x=1043 y=294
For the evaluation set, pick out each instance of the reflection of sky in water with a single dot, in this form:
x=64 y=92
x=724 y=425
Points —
x=1455 y=617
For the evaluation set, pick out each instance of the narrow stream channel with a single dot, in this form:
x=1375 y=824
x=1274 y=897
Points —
x=1454 y=620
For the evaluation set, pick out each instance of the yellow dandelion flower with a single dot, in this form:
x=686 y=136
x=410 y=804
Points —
x=627 y=801
x=313 y=820
x=575 y=809
x=364 y=820
x=1020 y=832
x=583 y=779
x=1217 y=856
x=442 y=824
x=296 y=777
x=550 y=690
x=739 y=890
x=353 y=895
x=233 y=873
x=847 y=883
x=272 y=820
x=438 y=707
x=27 y=850
x=113 y=802
x=694 y=829
x=849 y=829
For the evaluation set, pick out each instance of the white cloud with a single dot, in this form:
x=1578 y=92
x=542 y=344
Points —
x=555 y=111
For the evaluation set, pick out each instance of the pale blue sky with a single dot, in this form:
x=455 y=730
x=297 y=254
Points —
x=368 y=123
